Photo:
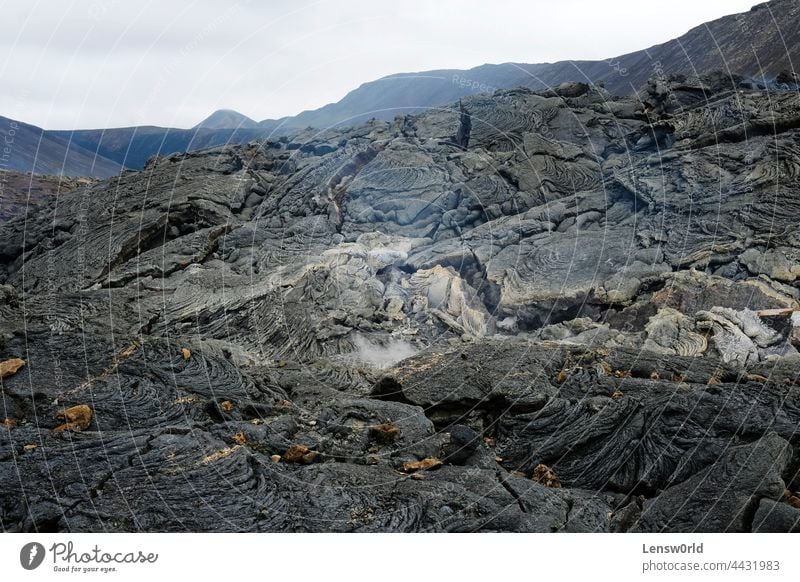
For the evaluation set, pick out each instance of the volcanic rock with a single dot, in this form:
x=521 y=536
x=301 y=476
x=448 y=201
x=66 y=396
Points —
x=588 y=289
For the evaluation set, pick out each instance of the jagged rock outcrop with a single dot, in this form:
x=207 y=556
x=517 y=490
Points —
x=394 y=327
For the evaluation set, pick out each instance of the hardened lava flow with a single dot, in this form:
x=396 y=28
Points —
x=529 y=311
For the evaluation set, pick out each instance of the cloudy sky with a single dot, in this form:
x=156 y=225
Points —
x=108 y=63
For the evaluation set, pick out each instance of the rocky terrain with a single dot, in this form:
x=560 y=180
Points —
x=22 y=194
x=541 y=312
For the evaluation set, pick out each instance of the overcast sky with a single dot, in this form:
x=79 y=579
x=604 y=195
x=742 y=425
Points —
x=110 y=63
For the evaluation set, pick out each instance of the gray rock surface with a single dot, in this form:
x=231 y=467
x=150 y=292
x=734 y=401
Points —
x=402 y=326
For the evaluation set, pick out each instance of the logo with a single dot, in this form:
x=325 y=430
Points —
x=31 y=555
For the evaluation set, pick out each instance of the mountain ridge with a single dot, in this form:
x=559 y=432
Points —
x=714 y=45
x=771 y=31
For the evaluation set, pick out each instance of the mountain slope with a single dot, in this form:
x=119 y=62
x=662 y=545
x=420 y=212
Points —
x=133 y=146
x=32 y=149
x=761 y=42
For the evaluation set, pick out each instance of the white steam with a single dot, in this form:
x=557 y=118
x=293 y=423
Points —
x=381 y=355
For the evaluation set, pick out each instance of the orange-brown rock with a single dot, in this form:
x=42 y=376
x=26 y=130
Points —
x=791 y=499
x=423 y=465
x=385 y=433
x=757 y=378
x=299 y=454
x=10 y=367
x=186 y=353
x=546 y=476
x=76 y=418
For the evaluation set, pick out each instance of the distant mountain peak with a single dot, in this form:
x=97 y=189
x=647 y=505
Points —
x=227 y=119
